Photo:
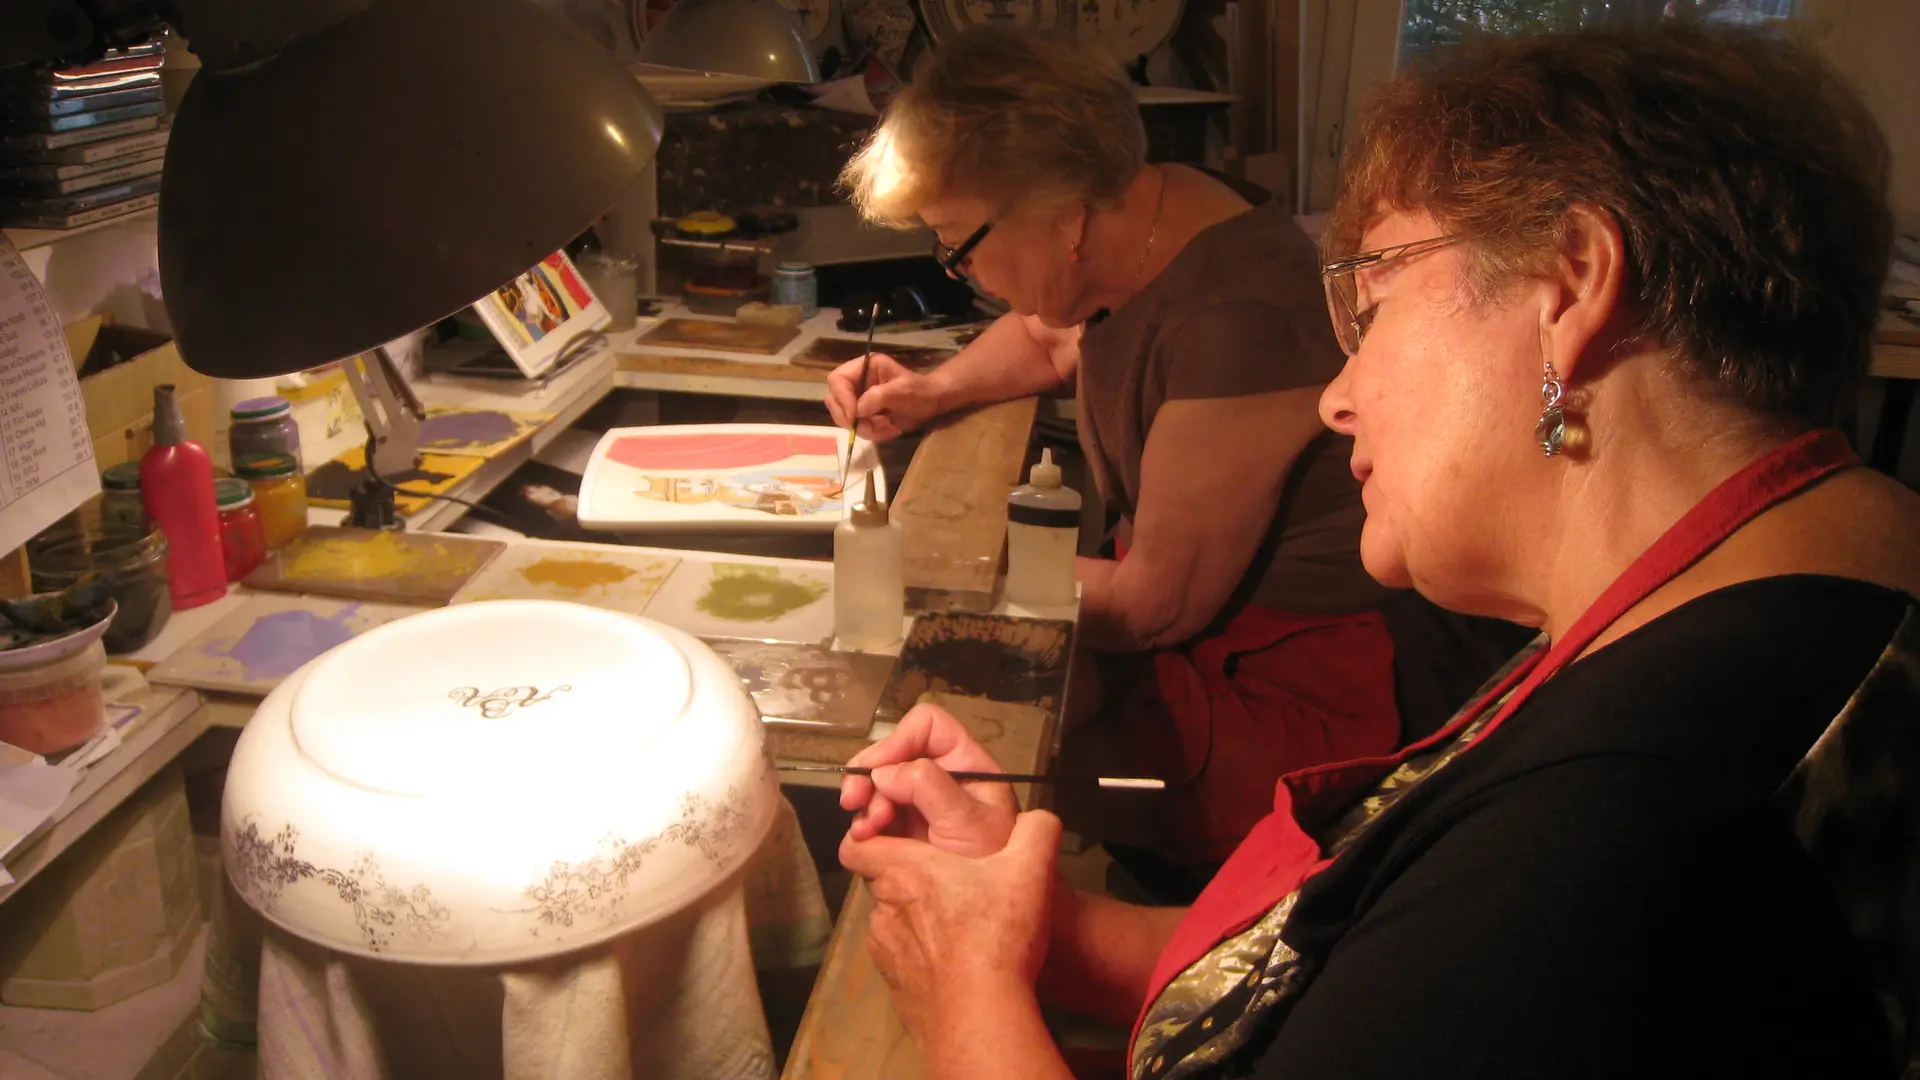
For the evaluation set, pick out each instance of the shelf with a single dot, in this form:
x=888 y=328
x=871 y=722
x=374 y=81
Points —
x=24 y=239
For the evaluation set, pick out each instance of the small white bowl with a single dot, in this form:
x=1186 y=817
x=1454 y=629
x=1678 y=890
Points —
x=496 y=782
x=59 y=648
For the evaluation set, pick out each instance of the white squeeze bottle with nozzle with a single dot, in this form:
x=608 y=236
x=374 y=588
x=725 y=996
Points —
x=869 y=583
x=1043 y=537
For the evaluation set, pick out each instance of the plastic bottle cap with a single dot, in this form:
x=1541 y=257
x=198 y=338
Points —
x=869 y=511
x=122 y=477
x=1046 y=474
x=230 y=493
x=260 y=408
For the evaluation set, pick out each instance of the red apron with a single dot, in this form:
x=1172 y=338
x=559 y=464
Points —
x=1229 y=713
x=1280 y=853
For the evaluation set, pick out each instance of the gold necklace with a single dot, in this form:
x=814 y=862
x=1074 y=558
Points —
x=1153 y=233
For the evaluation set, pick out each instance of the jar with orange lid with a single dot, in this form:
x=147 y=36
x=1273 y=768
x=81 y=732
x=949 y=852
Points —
x=279 y=494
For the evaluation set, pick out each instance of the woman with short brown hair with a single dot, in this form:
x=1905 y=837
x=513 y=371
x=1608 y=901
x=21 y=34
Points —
x=1603 y=294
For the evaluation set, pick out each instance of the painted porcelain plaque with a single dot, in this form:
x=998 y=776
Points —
x=495 y=782
x=724 y=477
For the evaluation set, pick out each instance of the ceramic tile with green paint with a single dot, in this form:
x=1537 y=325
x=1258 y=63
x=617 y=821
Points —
x=764 y=601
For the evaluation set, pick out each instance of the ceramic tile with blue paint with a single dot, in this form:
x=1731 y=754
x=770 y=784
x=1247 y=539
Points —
x=763 y=600
x=267 y=639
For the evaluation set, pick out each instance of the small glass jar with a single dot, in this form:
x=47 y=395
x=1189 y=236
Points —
x=263 y=425
x=280 y=495
x=120 y=506
x=795 y=283
x=138 y=562
x=615 y=280
x=243 y=541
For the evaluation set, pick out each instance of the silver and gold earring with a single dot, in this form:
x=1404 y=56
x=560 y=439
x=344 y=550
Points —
x=1551 y=431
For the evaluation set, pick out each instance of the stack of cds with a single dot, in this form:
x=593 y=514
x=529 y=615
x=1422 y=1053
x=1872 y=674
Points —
x=83 y=144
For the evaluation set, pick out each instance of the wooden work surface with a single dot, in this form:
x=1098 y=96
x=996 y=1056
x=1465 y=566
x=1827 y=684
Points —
x=953 y=504
x=850 y=1029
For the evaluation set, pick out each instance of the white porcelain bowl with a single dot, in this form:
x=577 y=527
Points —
x=496 y=782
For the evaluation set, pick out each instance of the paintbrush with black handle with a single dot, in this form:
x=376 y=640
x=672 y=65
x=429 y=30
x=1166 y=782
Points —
x=853 y=416
x=1134 y=783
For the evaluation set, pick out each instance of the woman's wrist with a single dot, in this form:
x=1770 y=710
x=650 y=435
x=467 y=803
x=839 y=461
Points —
x=990 y=1022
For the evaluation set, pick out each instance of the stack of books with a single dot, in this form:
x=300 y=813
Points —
x=83 y=144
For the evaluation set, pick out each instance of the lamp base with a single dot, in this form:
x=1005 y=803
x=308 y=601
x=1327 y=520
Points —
x=371 y=506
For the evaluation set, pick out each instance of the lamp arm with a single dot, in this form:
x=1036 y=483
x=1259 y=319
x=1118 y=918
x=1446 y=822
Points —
x=392 y=412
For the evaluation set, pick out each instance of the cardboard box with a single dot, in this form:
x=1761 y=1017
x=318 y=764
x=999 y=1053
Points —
x=117 y=380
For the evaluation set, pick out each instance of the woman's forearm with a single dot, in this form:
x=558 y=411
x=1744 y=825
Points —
x=1101 y=954
x=998 y=1033
x=1003 y=363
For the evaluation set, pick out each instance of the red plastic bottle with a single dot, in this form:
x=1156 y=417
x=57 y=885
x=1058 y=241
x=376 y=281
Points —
x=176 y=487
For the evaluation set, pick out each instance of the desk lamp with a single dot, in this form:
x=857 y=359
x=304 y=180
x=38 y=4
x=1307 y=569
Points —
x=342 y=173
x=753 y=38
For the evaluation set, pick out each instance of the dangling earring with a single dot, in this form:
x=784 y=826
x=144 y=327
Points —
x=1551 y=431
x=1073 y=252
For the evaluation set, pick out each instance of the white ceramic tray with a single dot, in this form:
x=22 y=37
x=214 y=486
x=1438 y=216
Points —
x=724 y=478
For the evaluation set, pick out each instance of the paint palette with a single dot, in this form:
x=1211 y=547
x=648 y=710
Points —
x=724 y=478
x=376 y=564
x=598 y=575
x=479 y=433
x=802 y=686
x=267 y=639
x=996 y=657
x=763 y=600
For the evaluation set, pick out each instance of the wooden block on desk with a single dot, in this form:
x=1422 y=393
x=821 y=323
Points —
x=727 y=336
x=952 y=503
x=717 y=367
x=828 y=353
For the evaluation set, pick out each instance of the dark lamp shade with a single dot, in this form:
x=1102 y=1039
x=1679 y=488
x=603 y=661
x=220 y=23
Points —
x=757 y=39
x=384 y=173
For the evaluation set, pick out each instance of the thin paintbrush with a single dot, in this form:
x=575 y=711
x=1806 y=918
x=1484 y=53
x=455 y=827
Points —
x=853 y=420
x=1137 y=783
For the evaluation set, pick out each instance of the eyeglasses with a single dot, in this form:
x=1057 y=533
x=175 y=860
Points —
x=1341 y=278
x=954 y=259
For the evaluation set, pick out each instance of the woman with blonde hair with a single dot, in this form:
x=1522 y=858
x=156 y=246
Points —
x=1604 y=295
x=1245 y=637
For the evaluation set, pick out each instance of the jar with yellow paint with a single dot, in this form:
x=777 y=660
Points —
x=280 y=493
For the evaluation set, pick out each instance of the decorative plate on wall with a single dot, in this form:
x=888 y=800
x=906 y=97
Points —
x=1127 y=29
x=946 y=18
x=816 y=19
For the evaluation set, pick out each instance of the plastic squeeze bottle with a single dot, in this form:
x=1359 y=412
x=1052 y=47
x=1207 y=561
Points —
x=1043 y=537
x=869 y=587
x=176 y=488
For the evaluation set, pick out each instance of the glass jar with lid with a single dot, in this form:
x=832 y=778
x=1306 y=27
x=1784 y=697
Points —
x=136 y=559
x=279 y=492
x=120 y=507
x=263 y=425
x=243 y=541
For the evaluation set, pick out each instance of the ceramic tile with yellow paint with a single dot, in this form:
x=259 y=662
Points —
x=332 y=484
x=767 y=600
x=598 y=575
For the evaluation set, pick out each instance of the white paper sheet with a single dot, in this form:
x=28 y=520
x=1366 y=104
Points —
x=46 y=453
x=29 y=794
